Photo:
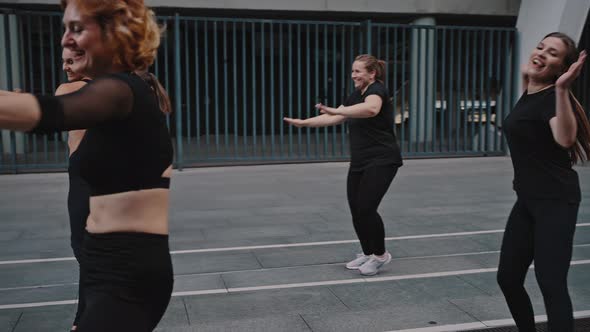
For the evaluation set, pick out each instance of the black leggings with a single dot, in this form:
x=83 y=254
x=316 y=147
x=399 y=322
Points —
x=365 y=190
x=543 y=231
x=128 y=281
x=78 y=210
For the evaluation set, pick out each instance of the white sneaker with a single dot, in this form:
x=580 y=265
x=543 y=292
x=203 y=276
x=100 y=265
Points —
x=371 y=267
x=356 y=263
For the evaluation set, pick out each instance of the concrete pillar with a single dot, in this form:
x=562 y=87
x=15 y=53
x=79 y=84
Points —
x=422 y=83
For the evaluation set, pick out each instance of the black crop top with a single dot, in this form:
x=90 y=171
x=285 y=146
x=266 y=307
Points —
x=126 y=147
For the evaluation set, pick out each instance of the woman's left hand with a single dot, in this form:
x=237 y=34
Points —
x=566 y=79
x=326 y=110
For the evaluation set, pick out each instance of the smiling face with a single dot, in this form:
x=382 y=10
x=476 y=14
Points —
x=546 y=62
x=70 y=67
x=360 y=76
x=84 y=38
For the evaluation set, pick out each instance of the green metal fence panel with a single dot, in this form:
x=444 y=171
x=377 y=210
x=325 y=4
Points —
x=232 y=81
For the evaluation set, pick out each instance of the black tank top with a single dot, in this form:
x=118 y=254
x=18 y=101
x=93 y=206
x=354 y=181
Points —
x=126 y=146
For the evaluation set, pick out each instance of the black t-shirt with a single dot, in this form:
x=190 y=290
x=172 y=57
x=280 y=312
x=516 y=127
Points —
x=372 y=140
x=542 y=168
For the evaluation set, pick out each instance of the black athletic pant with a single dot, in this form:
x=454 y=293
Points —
x=365 y=190
x=541 y=231
x=78 y=209
x=128 y=281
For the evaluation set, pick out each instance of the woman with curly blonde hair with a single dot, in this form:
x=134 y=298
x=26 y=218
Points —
x=125 y=157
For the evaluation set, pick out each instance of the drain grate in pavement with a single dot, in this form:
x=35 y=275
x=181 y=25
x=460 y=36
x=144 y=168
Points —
x=581 y=325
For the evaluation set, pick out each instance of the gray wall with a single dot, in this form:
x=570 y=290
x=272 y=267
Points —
x=470 y=7
x=540 y=17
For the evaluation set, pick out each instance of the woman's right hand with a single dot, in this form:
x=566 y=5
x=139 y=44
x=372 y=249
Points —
x=296 y=122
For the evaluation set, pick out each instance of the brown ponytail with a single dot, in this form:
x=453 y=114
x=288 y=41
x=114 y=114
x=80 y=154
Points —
x=373 y=64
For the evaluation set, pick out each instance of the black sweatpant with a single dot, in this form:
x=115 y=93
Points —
x=541 y=231
x=128 y=281
x=365 y=190
x=78 y=210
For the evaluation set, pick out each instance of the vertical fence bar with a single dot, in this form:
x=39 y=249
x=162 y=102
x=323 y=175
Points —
x=52 y=62
x=473 y=90
x=308 y=89
x=334 y=99
x=467 y=97
x=207 y=83
x=272 y=91
x=31 y=79
x=216 y=86
x=451 y=104
x=317 y=86
x=188 y=83
x=299 y=101
x=281 y=90
x=434 y=85
x=443 y=97
x=489 y=75
x=403 y=140
x=9 y=87
x=244 y=93
x=456 y=105
x=481 y=98
x=325 y=90
x=197 y=91
x=178 y=92
x=290 y=86
x=167 y=72
x=254 y=106
x=235 y=81
x=343 y=85
x=262 y=89
x=225 y=93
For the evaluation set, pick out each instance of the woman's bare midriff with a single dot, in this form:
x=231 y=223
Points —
x=144 y=211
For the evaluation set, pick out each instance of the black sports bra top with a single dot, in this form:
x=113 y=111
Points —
x=126 y=146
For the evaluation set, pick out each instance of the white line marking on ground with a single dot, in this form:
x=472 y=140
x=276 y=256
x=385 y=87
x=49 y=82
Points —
x=36 y=304
x=293 y=285
x=274 y=246
x=483 y=324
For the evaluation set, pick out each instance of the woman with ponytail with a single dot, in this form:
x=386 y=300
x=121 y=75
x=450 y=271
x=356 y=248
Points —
x=125 y=157
x=375 y=156
x=547 y=132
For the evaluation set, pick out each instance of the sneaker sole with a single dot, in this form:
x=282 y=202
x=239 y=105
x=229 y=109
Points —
x=376 y=272
x=353 y=268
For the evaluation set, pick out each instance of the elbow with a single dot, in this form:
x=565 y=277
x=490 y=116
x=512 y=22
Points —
x=566 y=142
x=372 y=112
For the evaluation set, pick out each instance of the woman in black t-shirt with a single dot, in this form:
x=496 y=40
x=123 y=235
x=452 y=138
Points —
x=78 y=190
x=375 y=156
x=547 y=132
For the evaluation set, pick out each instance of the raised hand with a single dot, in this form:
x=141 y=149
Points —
x=566 y=79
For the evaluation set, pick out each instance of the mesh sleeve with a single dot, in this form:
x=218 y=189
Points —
x=101 y=101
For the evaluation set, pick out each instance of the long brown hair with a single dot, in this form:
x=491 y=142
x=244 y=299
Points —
x=581 y=150
x=373 y=64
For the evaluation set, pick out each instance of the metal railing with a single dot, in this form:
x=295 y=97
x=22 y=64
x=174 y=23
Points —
x=232 y=81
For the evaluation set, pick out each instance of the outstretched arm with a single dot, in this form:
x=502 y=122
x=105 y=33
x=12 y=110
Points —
x=106 y=99
x=367 y=109
x=19 y=111
x=323 y=120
